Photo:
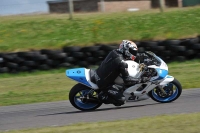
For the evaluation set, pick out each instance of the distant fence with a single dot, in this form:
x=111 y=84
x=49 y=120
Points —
x=68 y=57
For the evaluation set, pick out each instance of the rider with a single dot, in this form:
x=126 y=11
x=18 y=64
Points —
x=112 y=66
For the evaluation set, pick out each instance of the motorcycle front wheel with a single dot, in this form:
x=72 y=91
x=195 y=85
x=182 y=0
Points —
x=82 y=98
x=172 y=91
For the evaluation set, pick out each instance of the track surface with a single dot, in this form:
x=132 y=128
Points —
x=62 y=113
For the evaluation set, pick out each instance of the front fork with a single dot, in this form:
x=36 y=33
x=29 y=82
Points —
x=167 y=80
x=161 y=89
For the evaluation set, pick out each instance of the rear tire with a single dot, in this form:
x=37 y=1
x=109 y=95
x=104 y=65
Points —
x=76 y=101
x=173 y=94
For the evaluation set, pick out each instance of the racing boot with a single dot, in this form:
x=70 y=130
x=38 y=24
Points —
x=116 y=96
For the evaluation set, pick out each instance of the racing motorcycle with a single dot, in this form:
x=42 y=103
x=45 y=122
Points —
x=160 y=86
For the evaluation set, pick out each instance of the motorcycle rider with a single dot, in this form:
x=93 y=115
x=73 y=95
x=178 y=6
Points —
x=113 y=66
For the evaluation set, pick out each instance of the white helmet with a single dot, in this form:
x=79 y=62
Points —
x=129 y=49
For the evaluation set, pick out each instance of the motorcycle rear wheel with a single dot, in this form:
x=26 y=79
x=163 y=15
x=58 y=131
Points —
x=78 y=98
x=173 y=90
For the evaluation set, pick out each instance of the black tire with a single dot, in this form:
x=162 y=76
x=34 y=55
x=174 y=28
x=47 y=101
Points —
x=12 y=65
x=90 y=49
x=43 y=67
x=9 y=57
x=180 y=58
x=48 y=62
x=91 y=59
x=1 y=60
x=189 y=42
x=28 y=55
x=24 y=68
x=56 y=63
x=170 y=42
x=166 y=53
x=74 y=91
x=197 y=56
x=49 y=52
x=71 y=49
x=107 y=48
x=25 y=54
x=178 y=48
x=57 y=56
x=4 y=70
x=149 y=44
x=29 y=63
x=40 y=57
x=79 y=55
x=70 y=59
x=99 y=53
x=163 y=100
x=158 y=48
x=196 y=46
x=189 y=53
x=83 y=64
x=18 y=60
x=65 y=65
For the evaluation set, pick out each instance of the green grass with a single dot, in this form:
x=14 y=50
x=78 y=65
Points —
x=34 y=88
x=46 y=86
x=182 y=123
x=20 y=33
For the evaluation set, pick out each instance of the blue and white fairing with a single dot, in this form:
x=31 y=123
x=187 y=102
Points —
x=162 y=76
x=82 y=76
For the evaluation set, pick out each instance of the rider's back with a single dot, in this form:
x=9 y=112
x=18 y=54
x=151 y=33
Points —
x=109 y=69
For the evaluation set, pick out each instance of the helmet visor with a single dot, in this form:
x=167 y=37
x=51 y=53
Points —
x=133 y=51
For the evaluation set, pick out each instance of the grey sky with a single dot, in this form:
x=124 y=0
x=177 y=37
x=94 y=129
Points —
x=10 y=7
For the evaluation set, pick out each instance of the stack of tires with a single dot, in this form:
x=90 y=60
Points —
x=45 y=59
x=174 y=50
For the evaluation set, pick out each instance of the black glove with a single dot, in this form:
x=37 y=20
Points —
x=147 y=62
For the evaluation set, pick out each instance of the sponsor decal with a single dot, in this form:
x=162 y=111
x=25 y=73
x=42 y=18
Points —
x=78 y=71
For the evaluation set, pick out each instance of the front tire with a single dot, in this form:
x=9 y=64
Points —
x=77 y=98
x=173 y=90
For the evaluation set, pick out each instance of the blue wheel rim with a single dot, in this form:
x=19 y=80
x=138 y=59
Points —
x=81 y=104
x=170 y=98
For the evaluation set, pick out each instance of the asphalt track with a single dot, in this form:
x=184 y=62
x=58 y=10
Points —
x=62 y=113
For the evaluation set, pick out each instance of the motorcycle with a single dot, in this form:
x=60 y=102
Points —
x=160 y=86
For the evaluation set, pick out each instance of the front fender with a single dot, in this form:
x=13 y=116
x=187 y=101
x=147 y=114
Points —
x=167 y=79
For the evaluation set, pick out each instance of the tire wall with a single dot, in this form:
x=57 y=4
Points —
x=68 y=57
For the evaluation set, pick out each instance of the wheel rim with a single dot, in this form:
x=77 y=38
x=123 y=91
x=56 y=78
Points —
x=80 y=101
x=171 y=91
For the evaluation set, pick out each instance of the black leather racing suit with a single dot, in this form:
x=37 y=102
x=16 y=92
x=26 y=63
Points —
x=112 y=66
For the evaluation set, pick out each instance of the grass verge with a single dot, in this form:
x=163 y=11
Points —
x=47 y=86
x=19 y=33
x=182 y=123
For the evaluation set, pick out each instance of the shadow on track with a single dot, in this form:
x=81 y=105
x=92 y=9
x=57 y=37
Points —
x=97 y=110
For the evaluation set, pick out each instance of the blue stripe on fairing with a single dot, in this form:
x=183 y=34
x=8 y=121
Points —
x=77 y=74
x=162 y=73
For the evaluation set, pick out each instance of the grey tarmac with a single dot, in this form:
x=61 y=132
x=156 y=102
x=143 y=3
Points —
x=63 y=113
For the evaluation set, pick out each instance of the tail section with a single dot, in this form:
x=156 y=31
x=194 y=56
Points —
x=82 y=76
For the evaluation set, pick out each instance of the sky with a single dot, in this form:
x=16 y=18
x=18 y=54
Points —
x=12 y=7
